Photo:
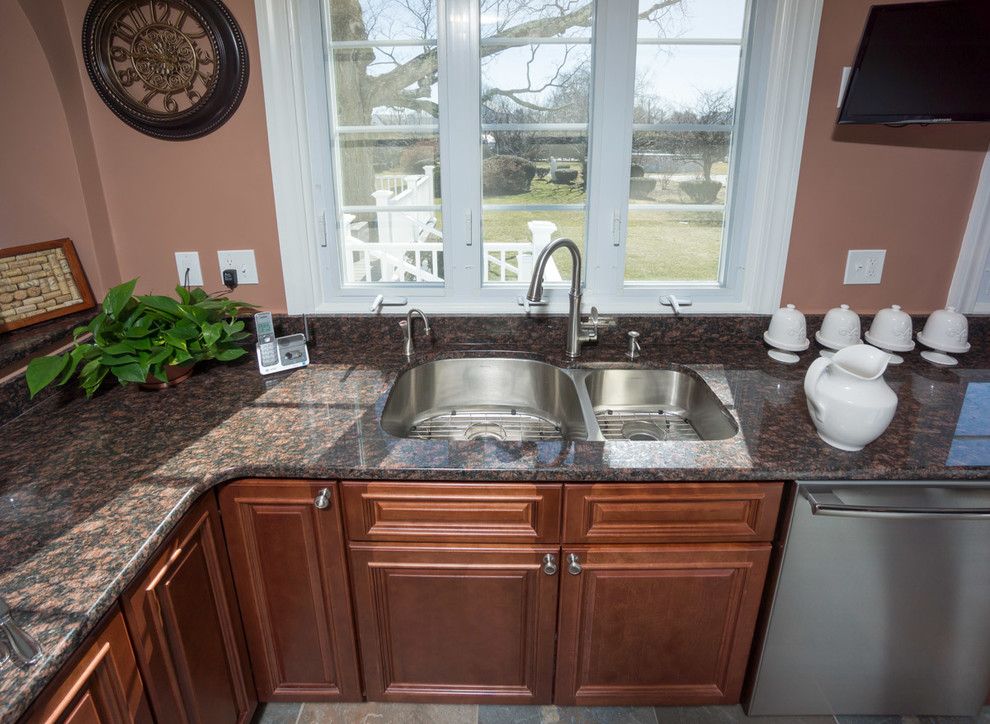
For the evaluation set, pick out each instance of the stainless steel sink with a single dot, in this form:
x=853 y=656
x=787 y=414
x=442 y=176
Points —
x=490 y=398
x=639 y=404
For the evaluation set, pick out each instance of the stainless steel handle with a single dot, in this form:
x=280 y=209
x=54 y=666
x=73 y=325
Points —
x=322 y=499
x=827 y=503
x=573 y=564
x=550 y=564
x=24 y=648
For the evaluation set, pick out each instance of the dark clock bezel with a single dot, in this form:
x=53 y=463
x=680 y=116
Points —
x=205 y=116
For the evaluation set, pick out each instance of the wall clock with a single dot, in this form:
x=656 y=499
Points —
x=173 y=69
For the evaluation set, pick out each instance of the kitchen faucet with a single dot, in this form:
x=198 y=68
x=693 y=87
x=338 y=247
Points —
x=408 y=345
x=578 y=332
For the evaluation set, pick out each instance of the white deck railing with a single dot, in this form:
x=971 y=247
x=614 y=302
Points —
x=409 y=247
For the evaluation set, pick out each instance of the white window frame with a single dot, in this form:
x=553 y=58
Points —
x=766 y=163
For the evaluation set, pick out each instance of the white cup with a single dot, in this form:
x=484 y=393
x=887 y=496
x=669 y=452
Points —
x=787 y=330
x=946 y=330
x=891 y=330
x=840 y=328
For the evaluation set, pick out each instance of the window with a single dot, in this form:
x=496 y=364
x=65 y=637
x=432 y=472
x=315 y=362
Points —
x=427 y=150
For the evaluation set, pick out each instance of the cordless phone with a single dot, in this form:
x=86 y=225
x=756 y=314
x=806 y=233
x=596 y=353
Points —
x=276 y=354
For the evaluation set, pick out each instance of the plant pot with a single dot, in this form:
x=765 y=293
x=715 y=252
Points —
x=175 y=374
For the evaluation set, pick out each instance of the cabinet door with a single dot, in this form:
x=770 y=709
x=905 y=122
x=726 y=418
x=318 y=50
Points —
x=287 y=551
x=455 y=623
x=657 y=625
x=103 y=687
x=186 y=627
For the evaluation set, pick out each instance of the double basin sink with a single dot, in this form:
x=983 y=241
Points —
x=520 y=399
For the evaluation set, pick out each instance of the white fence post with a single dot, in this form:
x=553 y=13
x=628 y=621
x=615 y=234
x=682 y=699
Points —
x=345 y=227
x=385 y=234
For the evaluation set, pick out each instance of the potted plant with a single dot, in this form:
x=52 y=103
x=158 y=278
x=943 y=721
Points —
x=150 y=340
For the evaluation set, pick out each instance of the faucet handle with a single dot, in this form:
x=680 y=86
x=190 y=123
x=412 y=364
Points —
x=598 y=321
x=523 y=301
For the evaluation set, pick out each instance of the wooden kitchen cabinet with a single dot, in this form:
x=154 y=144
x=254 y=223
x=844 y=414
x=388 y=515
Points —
x=102 y=687
x=670 y=624
x=456 y=623
x=286 y=545
x=183 y=618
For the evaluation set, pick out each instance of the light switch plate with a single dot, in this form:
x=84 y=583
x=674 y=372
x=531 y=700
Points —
x=243 y=261
x=864 y=266
x=189 y=260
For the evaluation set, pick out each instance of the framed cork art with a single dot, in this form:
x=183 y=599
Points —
x=39 y=282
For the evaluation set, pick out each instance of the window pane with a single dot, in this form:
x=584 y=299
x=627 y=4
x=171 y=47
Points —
x=533 y=167
x=392 y=247
x=536 y=84
x=673 y=246
x=691 y=19
x=382 y=20
x=536 y=18
x=684 y=105
x=514 y=238
x=676 y=167
x=387 y=181
x=685 y=80
x=386 y=86
x=408 y=167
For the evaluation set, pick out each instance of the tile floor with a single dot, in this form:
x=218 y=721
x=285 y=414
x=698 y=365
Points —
x=375 y=713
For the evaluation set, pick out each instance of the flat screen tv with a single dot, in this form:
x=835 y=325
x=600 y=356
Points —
x=922 y=62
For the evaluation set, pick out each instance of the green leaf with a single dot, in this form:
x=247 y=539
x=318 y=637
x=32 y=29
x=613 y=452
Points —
x=226 y=355
x=130 y=373
x=211 y=333
x=118 y=297
x=184 y=296
x=77 y=355
x=162 y=304
x=42 y=371
x=112 y=361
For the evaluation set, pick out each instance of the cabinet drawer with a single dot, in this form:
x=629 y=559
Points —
x=479 y=512
x=671 y=512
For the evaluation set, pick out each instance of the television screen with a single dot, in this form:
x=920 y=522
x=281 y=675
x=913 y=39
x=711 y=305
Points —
x=922 y=62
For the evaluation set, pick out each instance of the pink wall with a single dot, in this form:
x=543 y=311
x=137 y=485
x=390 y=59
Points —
x=203 y=195
x=41 y=195
x=906 y=190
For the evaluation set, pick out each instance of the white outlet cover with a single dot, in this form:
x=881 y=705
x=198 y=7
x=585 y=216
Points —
x=864 y=266
x=189 y=260
x=243 y=261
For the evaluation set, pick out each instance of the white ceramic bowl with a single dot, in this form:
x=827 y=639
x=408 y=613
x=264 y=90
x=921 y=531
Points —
x=946 y=330
x=840 y=328
x=788 y=330
x=891 y=330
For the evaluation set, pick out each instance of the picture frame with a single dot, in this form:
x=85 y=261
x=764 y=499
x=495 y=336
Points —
x=40 y=282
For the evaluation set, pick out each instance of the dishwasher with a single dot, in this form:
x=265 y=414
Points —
x=881 y=603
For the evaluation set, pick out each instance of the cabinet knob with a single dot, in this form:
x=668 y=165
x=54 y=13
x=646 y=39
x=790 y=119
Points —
x=550 y=564
x=322 y=499
x=573 y=564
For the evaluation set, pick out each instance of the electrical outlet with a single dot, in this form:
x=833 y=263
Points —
x=864 y=266
x=243 y=261
x=189 y=260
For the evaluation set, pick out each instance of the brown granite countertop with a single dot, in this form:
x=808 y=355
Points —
x=90 y=488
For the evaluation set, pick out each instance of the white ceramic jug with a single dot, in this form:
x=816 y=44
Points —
x=849 y=401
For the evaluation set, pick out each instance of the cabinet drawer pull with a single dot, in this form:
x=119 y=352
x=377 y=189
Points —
x=322 y=499
x=573 y=564
x=550 y=564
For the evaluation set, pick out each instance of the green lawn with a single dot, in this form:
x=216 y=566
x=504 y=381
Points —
x=661 y=244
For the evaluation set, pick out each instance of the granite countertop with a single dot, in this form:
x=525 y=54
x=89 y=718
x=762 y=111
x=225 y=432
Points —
x=90 y=488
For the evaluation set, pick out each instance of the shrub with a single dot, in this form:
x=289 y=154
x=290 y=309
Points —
x=641 y=187
x=701 y=191
x=507 y=175
x=565 y=176
x=636 y=171
x=413 y=158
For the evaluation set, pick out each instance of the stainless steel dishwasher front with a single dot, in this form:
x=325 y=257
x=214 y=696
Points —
x=882 y=602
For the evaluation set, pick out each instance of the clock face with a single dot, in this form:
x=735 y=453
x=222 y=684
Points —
x=170 y=68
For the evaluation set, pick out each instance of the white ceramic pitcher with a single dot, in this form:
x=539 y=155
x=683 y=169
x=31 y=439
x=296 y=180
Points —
x=848 y=400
